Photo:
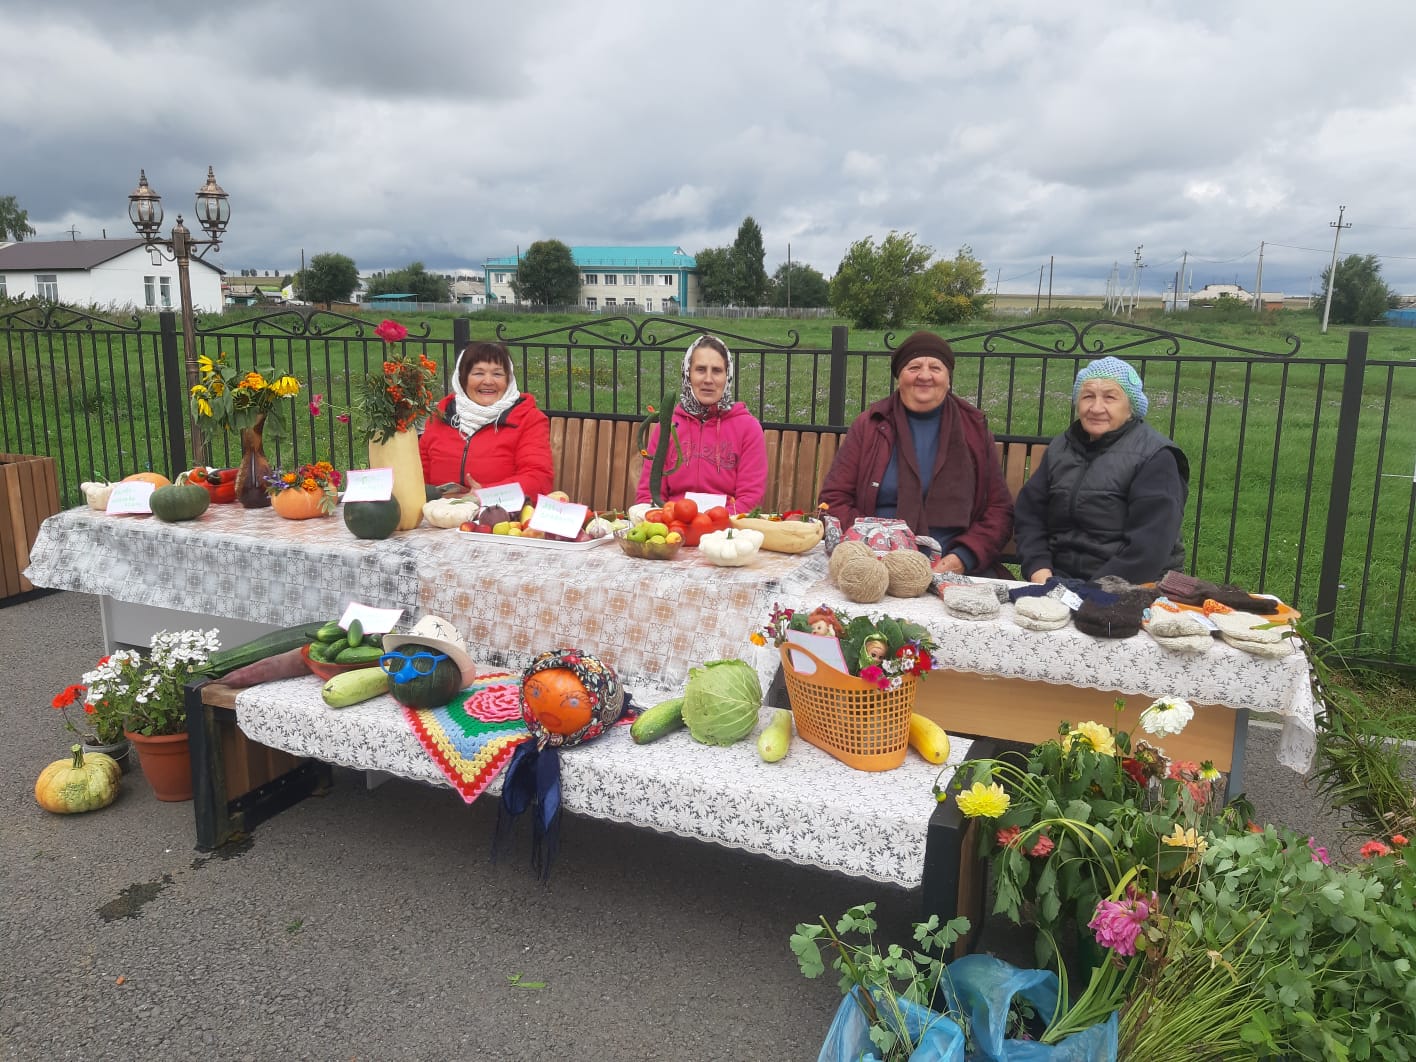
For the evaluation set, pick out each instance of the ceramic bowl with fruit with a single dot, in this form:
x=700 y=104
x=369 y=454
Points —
x=649 y=541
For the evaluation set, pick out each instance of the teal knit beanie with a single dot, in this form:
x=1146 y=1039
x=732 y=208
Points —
x=1109 y=368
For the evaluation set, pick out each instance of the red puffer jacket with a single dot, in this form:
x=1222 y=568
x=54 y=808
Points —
x=517 y=448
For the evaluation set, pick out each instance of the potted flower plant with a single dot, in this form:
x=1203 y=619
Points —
x=310 y=490
x=146 y=692
x=101 y=727
x=252 y=402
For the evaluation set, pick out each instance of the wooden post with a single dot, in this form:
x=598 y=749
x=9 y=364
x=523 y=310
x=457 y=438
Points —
x=29 y=495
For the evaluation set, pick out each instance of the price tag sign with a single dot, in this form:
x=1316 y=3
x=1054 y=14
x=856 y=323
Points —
x=373 y=620
x=368 y=484
x=131 y=497
x=558 y=517
x=1070 y=599
x=706 y=501
x=509 y=496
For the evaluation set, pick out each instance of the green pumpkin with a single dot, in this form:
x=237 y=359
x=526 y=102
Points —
x=432 y=690
x=179 y=501
x=372 y=519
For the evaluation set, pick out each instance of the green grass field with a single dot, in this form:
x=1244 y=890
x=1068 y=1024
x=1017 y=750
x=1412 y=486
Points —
x=1261 y=450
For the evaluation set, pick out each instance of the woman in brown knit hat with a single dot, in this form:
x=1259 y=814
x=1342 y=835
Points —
x=926 y=456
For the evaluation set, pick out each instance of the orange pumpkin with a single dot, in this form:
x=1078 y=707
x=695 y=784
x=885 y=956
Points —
x=157 y=479
x=557 y=700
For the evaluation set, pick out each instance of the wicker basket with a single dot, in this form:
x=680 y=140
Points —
x=862 y=725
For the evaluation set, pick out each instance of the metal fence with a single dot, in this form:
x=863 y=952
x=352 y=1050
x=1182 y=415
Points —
x=1302 y=482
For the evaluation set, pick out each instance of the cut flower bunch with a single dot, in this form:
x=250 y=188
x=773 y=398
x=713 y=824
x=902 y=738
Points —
x=228 y=398
x=145 y=692
x=401 y=394
x=879 y=651
x=318 y=478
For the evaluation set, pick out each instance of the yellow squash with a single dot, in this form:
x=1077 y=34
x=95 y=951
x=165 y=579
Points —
x=928 y=739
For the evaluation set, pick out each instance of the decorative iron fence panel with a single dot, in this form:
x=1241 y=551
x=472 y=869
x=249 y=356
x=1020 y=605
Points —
x=1301 y=468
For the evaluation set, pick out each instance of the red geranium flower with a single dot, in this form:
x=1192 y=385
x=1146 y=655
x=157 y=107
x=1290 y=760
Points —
x=1374 y=848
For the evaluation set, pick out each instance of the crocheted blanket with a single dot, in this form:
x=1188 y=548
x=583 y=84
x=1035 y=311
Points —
x=473 y=738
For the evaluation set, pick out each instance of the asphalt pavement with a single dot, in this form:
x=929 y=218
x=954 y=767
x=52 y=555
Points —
x=373 y=925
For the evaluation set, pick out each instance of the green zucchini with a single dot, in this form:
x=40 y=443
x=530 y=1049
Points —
x=272 y=644
x=360 y=654
x=653 y=723
x=351 y=687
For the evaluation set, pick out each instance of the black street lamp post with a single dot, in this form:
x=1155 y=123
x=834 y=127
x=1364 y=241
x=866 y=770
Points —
x=213 y=211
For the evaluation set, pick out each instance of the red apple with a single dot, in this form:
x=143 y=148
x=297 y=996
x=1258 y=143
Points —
x=467 y=525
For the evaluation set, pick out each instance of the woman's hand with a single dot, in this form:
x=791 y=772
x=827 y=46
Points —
x=949 y=563
x=472 y=484
x=1042 y=575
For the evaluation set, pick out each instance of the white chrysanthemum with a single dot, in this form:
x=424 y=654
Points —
x=1166 y=716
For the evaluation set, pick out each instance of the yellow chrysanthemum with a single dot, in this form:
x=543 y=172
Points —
x=286 y=386
x=253 y=381
x=289 y=477
x=988 y=801
x=1183 y=838
x=204 y=363
x=310 y=484
x=204 y=407
x=1094 y=734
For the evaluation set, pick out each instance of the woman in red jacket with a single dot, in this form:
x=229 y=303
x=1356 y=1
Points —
x=486 y=432
x=925 y=456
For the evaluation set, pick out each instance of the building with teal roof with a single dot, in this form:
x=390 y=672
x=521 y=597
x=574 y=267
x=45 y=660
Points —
x=616 y=279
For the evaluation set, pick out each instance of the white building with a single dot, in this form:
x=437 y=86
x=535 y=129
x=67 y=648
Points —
x=632 y=279
x=103 y=273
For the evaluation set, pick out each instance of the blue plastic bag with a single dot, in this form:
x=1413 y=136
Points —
x=848 y=1039
x=982 y=988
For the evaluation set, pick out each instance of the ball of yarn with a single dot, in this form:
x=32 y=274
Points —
x=910 y=573
x=863 y=579
x=843 y=552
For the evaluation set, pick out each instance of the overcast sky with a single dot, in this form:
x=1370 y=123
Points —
x=452 y=131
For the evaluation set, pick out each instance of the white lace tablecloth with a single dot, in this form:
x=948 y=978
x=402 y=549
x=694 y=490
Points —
x=650 y=620
x=809 y=808
x=1136 y=665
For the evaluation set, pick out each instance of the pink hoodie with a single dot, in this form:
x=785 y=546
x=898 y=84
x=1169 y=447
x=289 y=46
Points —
x=725 y=453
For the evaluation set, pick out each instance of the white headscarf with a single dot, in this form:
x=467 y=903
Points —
x=687 y=399
x=469 y=416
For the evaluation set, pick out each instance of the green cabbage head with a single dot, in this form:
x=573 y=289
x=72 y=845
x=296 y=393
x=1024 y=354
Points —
x=721 y=701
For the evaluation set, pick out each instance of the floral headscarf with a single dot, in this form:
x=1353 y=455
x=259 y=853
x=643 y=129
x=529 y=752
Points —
x=687 y=399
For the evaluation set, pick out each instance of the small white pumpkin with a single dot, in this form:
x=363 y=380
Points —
x=450 y=512
x=96 y=494
x=732 y=548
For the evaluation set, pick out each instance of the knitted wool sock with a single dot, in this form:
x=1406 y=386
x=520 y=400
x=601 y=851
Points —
x=1241 y=600
x=1040 y=613
x=1118 y=619
x=971 y=602
x=1184 y=588
x=1175 y=630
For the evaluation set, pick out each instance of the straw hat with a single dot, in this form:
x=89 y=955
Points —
x=437 y=633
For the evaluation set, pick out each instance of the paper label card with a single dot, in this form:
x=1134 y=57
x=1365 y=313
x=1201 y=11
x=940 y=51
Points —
x=368 y=484
x=131 y=497
x=1070 y=599
x=373 y=620
x=826 y=648
x=557 y=517
x=509 y=496
x=706 y=501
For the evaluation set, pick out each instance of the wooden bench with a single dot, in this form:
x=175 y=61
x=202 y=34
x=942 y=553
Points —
x=598 y=462
x=29 y=495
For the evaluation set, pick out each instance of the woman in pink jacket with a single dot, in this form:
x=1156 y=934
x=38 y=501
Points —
x=722 y=446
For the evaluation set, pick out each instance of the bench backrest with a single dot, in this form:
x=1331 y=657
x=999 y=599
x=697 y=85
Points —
x=597 y=461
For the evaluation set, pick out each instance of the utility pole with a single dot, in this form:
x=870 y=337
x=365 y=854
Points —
x=1259 y=282
x=1337 y=226
x=1038 y=307
x=1136 y=286
x=1184 y=258
x=1050 y=261
x=789 y=276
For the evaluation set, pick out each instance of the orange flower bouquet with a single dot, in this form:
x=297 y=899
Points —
x=398 y=397
x=319 y=479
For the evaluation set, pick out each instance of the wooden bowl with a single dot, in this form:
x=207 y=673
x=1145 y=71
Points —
x=320 y=669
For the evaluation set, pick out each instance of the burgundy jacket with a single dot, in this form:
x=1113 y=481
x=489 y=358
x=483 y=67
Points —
x=853 y=481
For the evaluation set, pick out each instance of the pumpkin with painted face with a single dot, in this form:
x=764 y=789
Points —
x=568 y=697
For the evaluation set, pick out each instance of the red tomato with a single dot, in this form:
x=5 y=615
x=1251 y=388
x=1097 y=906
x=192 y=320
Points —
x=699 y=526
x=685 y=510
x=657 y=516
x=719 y=515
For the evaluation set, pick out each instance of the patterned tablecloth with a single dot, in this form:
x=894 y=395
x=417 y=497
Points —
x=808 y=809
x=1135 y=665
x=650 y=620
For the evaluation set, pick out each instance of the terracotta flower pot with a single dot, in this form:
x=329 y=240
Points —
x=298 y=504
x=167 y=764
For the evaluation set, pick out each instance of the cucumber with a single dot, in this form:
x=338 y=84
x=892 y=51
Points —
x=317 y=652
x=330 y=632
x=351 y=687
x=356 y=634
x=776 y=736
x=272 y=644
x=653 y=723
x=360 y=654
x=333 y=649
